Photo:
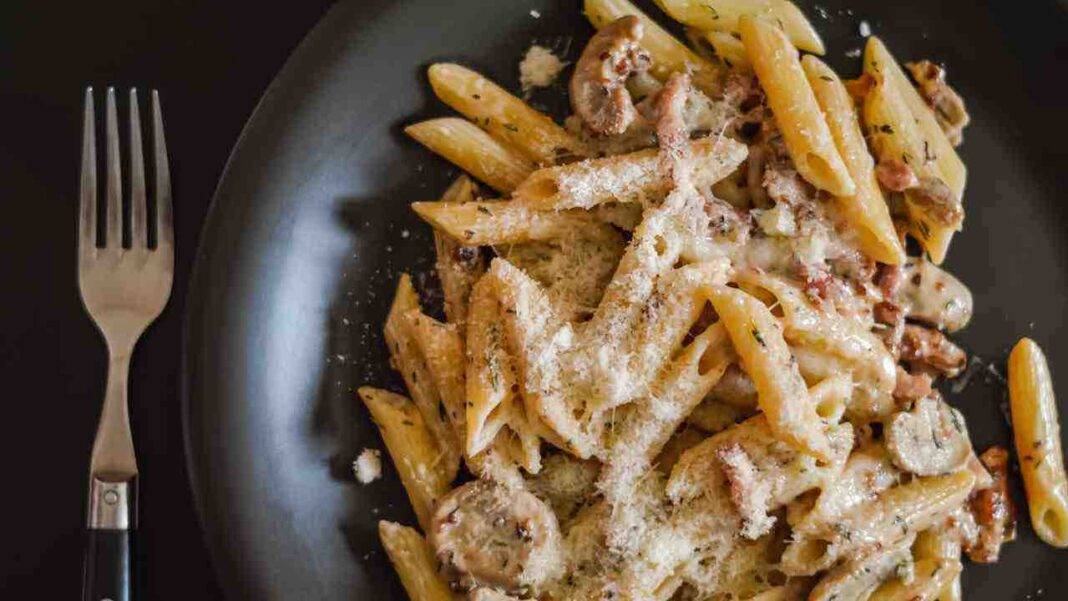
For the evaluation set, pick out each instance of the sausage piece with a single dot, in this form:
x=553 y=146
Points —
x=598 y=88
x=489 y=534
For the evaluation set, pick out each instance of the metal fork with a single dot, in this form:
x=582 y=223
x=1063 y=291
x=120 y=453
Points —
x=124 y=290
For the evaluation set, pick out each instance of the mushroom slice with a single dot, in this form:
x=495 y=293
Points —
x=599 y=93
x=492 y=535
x=929 y=440
x=933 y=296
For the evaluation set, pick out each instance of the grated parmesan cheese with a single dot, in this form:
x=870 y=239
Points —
x=368 y=466
x=539 y=68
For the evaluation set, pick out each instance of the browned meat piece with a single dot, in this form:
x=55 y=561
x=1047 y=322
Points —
x=947 y=104
x=911 y=387
x=895 y=175
x=939 y=202
x=599 y=93
x=993 y=509
x=489 y=534
x=927 y=348
x=891 y=315
x=888 y=279
x=929 y=440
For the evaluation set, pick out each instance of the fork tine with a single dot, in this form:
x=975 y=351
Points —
x=164 y=210
x=139 y=227
x=87 y=190
x=114 y=180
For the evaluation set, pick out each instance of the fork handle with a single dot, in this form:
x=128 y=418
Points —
x=107 y=566
x=112 y=514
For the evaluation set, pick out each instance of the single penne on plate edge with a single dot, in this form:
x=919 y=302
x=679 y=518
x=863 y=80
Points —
x=415 y=564
x=411 y=447
x=668 y=54
x=506 y=117
x=1036 y=428
x=724 y=16
x=866 y=210
x=798 y=115
x=465 y=145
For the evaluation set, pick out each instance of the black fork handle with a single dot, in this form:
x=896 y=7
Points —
x=112 y=515
x=107 y=566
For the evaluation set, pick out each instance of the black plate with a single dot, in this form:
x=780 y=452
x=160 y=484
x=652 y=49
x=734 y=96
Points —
x=310 y=228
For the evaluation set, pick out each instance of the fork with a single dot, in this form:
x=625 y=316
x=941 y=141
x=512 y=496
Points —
x=123 y=290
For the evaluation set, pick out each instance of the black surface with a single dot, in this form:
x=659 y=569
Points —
x=107 y=566
x=310 y=230
x=211 y=60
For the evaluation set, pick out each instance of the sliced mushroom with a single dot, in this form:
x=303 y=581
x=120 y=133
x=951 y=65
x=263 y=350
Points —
x=947 y=104
x=599 y=93
x=929 y=440
x=993 y=509
x=487 y=534
x=927 y=349
x=933 y=296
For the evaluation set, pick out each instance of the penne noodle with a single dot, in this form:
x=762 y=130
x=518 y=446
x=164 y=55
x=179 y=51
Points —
x=507 y=118
x=1037 y=431
x=411 y=447
x=473 y=150
x=725 y=15
x=865 y=211
x=669 y=55
x=483 y=223
x=458 y=266
x=728 y=48
x=930 y=577
x=856 y=578
x=415 y=564
x=934 y=143
x=949 y=162
x=629 y=178
x=941 y=543
x=782 y=394
x=408 y=361
x=798 y=115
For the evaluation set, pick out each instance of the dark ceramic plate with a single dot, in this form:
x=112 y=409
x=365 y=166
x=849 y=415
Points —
x=310 y=228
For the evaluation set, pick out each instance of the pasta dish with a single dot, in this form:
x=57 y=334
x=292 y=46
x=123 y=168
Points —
x=692 y=335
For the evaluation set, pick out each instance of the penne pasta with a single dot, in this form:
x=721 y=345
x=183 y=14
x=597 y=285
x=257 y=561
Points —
x=483 y=223
x=629 y=178
x=725 y=16
x=415 y=564
x=504 y=116
x=1037 y=431
x=941 y=543
x=473 y=150
x=865 y=211
x=856 y=579
x=798 y=115
x=945 y=156
x=412 y=366
x=782 y=394
x=930 y=577
x=411 y=447
x=669 y=55
x=728 y=48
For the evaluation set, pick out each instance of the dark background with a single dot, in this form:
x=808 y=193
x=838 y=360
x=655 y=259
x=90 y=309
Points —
x=211 y=61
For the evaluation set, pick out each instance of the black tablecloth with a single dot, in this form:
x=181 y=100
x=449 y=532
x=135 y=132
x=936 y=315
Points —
x=211 y=61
